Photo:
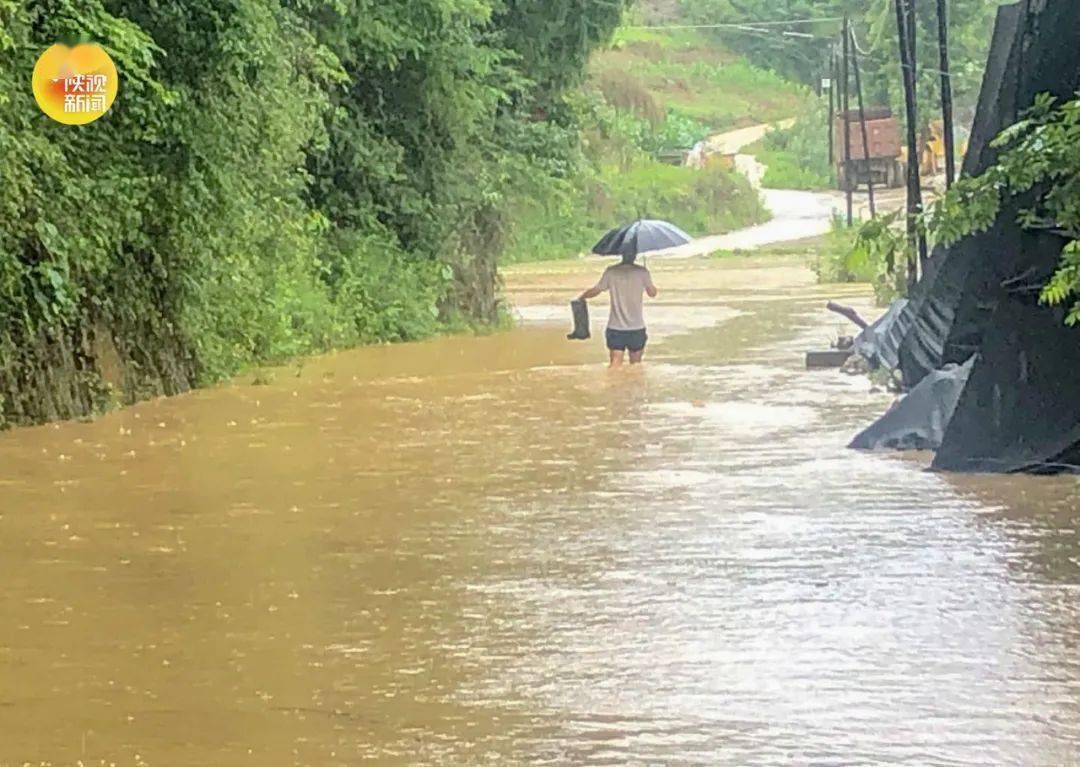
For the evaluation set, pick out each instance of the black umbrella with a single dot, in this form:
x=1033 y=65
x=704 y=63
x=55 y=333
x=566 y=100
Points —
x=641 y=237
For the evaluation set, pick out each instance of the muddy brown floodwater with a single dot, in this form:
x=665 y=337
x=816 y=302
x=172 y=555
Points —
x=494 y=551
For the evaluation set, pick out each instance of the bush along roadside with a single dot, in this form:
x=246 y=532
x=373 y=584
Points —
x=567 y=223
x=276 y=179
x=874 y=252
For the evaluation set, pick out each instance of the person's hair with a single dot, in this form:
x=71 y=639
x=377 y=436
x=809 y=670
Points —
x=629 y=259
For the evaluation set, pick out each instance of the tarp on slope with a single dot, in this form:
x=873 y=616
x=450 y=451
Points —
x=1034 y=51
x=1020 y=410
x=966 y=286
x=880 y=343
x=919 y=420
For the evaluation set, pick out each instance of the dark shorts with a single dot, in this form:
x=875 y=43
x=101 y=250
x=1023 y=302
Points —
x=627 y=340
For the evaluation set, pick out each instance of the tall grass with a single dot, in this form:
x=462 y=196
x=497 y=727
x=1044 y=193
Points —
x=691 y=75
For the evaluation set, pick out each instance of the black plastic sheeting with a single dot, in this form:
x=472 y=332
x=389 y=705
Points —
x=1020 y=410
x=880 y=343
x=942 y=331
x=952 y=304
x=954 y=309
x=920 y=419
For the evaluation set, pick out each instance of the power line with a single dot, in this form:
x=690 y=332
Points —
x=771 y=33
x=870 y=54
x=755 y=27
x=741 y=25
x=858 y=48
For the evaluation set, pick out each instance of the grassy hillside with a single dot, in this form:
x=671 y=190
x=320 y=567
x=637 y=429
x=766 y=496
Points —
x=687 y=75
x=649 y=92
x=685 y=85
x=646 y=93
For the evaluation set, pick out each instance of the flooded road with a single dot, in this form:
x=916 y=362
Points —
x=495 y=551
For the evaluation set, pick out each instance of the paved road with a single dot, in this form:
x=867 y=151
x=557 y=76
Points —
x=796 y=215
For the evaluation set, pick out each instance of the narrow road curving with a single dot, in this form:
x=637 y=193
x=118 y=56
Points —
x=796 y=214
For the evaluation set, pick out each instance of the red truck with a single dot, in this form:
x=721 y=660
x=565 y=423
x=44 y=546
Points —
x=884 y=165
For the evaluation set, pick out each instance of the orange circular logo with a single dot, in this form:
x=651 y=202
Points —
x=75 y=86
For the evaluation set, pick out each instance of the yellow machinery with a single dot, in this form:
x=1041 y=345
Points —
x=932 y=152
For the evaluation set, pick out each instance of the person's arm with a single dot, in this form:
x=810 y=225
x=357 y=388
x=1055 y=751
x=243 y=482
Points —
x=597 y=290
x=650 y=289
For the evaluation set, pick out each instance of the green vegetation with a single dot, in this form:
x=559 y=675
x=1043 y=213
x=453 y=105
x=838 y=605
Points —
x=797 y=157
x=702 y=202
x=710 y=201
x=873 y=253
x=688 y=74
x=650 y=93
x=276 y=178
x=805 y=59
x=1041 y=152
x=833 y=261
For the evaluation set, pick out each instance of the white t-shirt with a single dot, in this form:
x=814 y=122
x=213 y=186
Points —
x=627 y=283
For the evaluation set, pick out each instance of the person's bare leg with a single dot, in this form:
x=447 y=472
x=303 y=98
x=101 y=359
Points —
x=616 y=359
x=636 y=357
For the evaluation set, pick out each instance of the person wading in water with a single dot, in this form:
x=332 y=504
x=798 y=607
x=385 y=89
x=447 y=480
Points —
x=628 y=284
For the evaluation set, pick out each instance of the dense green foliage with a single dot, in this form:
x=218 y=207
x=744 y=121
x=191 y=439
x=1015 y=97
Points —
x=705 y=202
x=873 y=253
x=277 y=177
x=1041 y=153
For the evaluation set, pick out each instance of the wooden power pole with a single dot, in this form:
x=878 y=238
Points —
x=905 y=11
x=849 y=182
x=832 y=105
x=946 y=92
x=862 y=123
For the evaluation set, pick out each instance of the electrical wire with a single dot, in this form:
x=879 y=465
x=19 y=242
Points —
x=872 y=56
x=746 y=29
x=858 y=48
x=756 y=27
x=739 y=25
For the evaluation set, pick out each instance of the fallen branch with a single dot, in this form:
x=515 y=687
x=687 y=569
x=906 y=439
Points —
x=849 y=313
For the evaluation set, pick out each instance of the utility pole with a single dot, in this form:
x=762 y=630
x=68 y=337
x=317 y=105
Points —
x=849 y=182
x=832 y=105
x=862 y=123
x=905 y=11
x=946 y=92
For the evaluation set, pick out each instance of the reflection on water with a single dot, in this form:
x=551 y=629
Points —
x=494 y=551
